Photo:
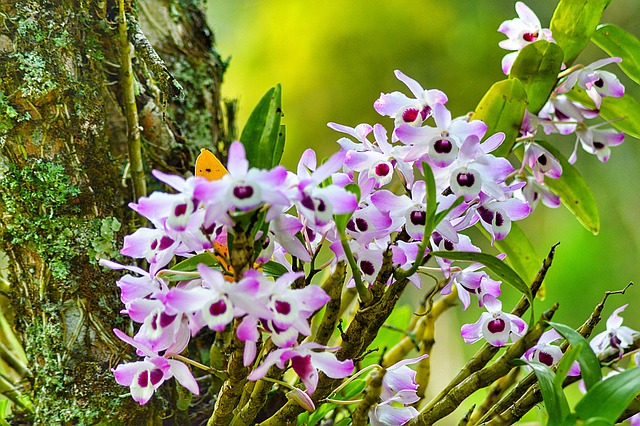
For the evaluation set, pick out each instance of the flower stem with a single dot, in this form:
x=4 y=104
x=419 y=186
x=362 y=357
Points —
x=363 y=291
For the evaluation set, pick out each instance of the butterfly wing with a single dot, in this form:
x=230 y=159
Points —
x=208 y=166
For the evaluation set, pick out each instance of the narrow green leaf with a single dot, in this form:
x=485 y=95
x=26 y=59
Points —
x=320 y=413
x=554 y=400
x=498 y=267
x=570 y=420
x=597 y=421
x=273 y=269
x=608 y=399
x=351 y=390
x=191 y=265
x=521 y=255
x=589 y=364
x=441 y=215
x=566 y=362
x=623 y=113
x=430 y=183
x=573 y=23
x=343 y=219
x=3 y=414
x=617 y=42
x=260 y=135
x=537 y=67
x=279 y=147
x=574 y=192
x=502 y=110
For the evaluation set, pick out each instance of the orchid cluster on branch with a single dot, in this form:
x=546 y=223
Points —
x=288 y=277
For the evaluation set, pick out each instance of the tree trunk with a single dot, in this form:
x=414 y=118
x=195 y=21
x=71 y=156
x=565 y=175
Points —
x=65 y=125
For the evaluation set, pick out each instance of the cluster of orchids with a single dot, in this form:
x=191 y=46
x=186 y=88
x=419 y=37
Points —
x=387 y=200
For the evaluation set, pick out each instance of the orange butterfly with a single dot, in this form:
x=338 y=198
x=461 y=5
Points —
x=208 y=166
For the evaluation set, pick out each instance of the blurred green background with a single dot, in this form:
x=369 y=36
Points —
x=333 y=58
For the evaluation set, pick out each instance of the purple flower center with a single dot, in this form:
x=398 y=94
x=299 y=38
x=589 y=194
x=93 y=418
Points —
x=321 y=205
x=561 y=116
x=311 y=234
x=486 y=214
x=382 y=169
x=530 y=37
x=418 y=217
x=599 y=83
x=243 y=192
x=155 y=376
x=409 y=115
x=218 y=308
x=614 y=341
x=302 y=366
x=598 y=145
x=499 y=219
x=351 y=226
x=307 y=202
x=143 y=379
x=425 y=112
x=448 y=245
x=545 y=358
x=180 y=210
x=165 y=243
x=466 y=179
x=154 y=322
x=471 y=290
x=443 y=146
x=166 y=320
x=496 y=326
x=362 y=224
x=283 y=308
x=367 y=267
x=542 y=160
x=210 y=229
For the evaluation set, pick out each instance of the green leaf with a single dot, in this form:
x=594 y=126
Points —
x=573 y=191
x=554 y=400
x=589 y=364
x=441 y=215
x=351 y=390
x=573 y=23
x=261 y=135
x=498 y=267
x=617 y=42
x=597 y=421
x=570 y=420
x=521 y=255
x=566 y=362
x=608 y=399
x=279 y=148
x=623 y=113
x=502 y=110
x=320 y=413
x=343 y=219
x=537 y=67
x=191 y=265
x=430 y=184
x=3 y=414
x=273 y=269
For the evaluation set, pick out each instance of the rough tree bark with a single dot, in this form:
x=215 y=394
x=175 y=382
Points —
x=65 y=185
